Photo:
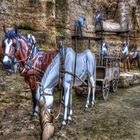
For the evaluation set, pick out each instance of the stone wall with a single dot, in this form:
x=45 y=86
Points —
x=51 y=18
x=38 y=14
x=34 y=15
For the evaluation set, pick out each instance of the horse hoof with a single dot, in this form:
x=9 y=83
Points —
x=92 y=106
x=69 y=121
x=86 y=108
x=62 y=102
x=63 y=127
x=33 y=115
x=69 y=118
x=33 y=118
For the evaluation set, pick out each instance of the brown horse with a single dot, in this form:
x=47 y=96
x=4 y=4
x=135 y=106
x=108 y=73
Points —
x=32 y=64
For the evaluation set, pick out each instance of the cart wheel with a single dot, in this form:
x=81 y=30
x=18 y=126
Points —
x=115 y=81
x=105 y=89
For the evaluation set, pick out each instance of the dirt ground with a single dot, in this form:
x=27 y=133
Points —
x=116 y=119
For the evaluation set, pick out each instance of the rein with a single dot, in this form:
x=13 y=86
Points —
x=62 y=51
x=74 y=75
x=23 y=60
x=6 y=54
x=50 y=116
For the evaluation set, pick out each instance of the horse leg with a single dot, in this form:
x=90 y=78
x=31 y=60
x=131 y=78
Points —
x=131 y=62
x=128 y=64
x=33 y=87
x=138 y=62
x=70 y=114
x=45 y=117
x=92 y=82
x=124 y=66
x=35 y=108
x=34 y=104
x=93 y=96
x=66 y=101
x=88 y=97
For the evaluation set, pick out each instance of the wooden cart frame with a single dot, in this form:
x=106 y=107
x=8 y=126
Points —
x=107 y=72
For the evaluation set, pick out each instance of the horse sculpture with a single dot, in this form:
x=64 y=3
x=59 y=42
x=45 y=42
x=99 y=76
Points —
x=31 y=61
x=134 y=56
x=15 y=66
x=85 y=69
x=125 y=57
x=104 y=52
x=15 y=47
x=31 y=68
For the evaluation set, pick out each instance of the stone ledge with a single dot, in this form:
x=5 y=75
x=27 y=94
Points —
x=129 y=79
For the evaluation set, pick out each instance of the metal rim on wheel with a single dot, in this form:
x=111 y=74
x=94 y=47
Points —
x=115 y=82
x=105 y=89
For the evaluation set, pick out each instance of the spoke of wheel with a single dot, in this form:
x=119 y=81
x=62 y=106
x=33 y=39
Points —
x=115 y=85
x=105 y=92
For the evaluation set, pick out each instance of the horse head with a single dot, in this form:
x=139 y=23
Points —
x=8 y=46
x=12 y=45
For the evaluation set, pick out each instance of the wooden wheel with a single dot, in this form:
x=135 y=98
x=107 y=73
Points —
x=105 y=89
x=115 y=81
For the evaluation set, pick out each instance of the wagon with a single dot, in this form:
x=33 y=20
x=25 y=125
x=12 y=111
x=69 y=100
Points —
x=107 y=72
x=107 y=76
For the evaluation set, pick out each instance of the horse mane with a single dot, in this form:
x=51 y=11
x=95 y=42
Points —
x=22 y=42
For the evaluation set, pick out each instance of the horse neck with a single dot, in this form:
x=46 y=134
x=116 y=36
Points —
x=23 y=50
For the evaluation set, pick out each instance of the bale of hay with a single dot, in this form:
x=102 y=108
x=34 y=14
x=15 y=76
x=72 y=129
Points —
x=110 y=26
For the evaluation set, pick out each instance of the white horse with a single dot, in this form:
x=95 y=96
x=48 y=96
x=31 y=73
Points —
x=85 y=69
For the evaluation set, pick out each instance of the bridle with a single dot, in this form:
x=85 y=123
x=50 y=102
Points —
x=11 y=57
x=14 y=53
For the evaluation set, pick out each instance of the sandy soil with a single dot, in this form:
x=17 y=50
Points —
x=116 y=119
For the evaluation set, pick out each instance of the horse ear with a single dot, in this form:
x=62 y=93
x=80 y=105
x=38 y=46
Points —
x=4 y=29
x=16 y=29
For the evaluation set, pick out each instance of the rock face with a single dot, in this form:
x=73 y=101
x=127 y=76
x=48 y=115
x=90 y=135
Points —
x=51 y=18
x=129 y=79
x=36 y=15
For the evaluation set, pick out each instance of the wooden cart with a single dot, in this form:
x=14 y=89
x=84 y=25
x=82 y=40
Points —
x=107 y=72
x=107 y=77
